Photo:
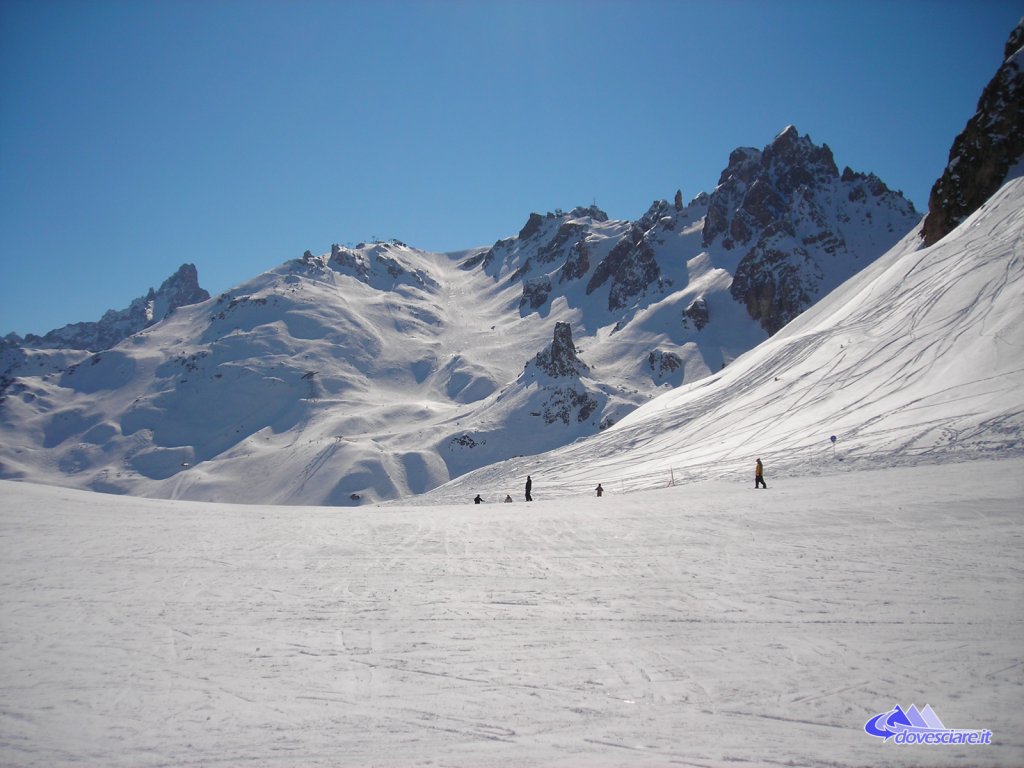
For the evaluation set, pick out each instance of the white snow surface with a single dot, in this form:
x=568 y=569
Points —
x=691 y=621
x=702 y=625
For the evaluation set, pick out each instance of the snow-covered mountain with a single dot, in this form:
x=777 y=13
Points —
x=919 y=358
x=379 y=371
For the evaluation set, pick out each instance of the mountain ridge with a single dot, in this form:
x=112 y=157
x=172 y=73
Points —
x=917 y=359
x=377 y=371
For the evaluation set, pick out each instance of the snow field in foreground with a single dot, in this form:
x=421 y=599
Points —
x=700 y=625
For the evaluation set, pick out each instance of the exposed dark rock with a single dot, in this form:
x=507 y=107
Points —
x=773 y=287
x=353 y=262
x=179 y=290
x=697 y=313
x=630 y=267
x=578 y=262
x=532 y=226
x=535 y=292
x=567 y=237
x=982 y=155
x=743 y=168
x=474 y=261
x=755 y=187
x=376 y=266
x=786 y=207
x=560 y=359
x=464 y=441
x=567 y=402
x=663 y=363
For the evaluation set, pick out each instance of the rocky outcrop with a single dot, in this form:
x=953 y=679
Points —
x=989 y=146
x=800 y=225
x=379 y=265
x=631 y=266
x=772 y=287
x=563 y=396
x=548 y=237
x=782 y=221
x=535 y=293
x=568 y=404
x=560 y=360
x=697 y=314
x=663 y=364
x=179 y=290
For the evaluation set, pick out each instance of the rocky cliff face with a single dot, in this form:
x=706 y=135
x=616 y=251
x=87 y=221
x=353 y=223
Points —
x=631 y=266
x=560 y=360
x=179 y=290
x=783 y=221
x=990 y=145
x=798 y=224
x=567 y=398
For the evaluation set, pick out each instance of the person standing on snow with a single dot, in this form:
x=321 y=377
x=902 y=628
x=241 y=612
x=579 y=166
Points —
x=759 y=476
x=599 y=490
x=529 y=488
x=478 y=500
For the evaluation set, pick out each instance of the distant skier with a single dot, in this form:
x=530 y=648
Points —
x=478 y=500
x=529 y=488
x=759 y=475
x=508 y=499
x=599 y=490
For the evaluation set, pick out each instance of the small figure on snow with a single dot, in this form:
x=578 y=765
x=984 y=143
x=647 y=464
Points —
x=529 y=488
x=599 y=490
x=759 y=476
x=508 y=499
x=478 y=500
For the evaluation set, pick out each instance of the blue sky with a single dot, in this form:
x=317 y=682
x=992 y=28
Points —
x=135 y=136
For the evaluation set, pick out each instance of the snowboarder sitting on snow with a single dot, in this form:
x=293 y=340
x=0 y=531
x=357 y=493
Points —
x=599 y=490
x=508 y=499
x=477 y=500
x=759 y=475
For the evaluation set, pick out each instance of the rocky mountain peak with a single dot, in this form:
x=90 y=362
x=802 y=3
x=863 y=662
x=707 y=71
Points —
x=560 y=360
x=989 y=146
x=536 y=222
x=757 y=186
x=798 y=224
x=793 y=160
x=179 y=290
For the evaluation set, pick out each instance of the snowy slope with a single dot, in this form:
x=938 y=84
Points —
x=708 y=625
x=920 y=357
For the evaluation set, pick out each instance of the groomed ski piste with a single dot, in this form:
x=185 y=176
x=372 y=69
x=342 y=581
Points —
x=702 y=624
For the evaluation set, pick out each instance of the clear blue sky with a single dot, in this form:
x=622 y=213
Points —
x=135 y=136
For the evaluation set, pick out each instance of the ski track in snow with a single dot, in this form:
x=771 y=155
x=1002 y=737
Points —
x=704 y=625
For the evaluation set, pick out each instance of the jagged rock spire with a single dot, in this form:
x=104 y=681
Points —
x=560 y=359
x=179 y=290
